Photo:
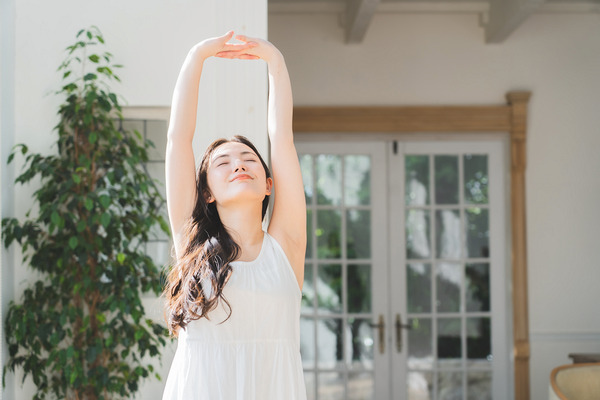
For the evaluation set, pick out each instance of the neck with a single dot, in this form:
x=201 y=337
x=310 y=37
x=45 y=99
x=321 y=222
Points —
x=243 y=223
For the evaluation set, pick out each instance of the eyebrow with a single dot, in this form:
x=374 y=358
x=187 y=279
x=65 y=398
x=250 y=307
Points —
x=243 y=153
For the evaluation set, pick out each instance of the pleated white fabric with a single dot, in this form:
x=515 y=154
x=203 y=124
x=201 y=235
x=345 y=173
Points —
x=255 y=354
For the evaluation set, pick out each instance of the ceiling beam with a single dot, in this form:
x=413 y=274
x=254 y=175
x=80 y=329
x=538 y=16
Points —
x=359 y=14
x=507 y=15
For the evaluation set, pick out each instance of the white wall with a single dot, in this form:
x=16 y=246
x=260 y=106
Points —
x=151 y=39
x=420 y=59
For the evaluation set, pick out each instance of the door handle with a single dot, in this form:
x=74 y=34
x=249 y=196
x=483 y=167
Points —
x=399 y=327
x=381 y=328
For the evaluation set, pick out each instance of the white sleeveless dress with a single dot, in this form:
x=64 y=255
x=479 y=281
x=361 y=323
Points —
x=255 y=354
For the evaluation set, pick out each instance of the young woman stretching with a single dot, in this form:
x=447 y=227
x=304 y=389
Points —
x=233 y=295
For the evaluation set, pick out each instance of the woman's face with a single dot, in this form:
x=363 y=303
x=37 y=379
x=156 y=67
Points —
x=235 y=174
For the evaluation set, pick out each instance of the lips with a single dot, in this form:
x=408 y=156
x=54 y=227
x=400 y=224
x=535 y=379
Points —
x=241 y=177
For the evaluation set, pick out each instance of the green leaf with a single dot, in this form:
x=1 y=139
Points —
x=73 y=377
x=90 y=77
x=93 y=137
x=89 y=204
x=76 y=178
x=55 y=218
x=120 y=258
x=105 y=201
x=105 y=219
x=73 y=241
x=81 y=225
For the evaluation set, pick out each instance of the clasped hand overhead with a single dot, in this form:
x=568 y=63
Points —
x=250 y=49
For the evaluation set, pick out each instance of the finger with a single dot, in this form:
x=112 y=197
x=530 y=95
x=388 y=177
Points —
x=234 y=55
x=245 y=38
x=238 y=46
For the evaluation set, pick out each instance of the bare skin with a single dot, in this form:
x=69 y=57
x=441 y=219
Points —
x=239 y=184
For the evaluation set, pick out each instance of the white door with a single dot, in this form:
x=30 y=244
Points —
x=404 y=235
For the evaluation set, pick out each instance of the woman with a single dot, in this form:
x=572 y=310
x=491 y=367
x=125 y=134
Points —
x=233 y=295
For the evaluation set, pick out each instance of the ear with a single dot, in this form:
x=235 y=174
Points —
x=269 y=186
x=208 y=198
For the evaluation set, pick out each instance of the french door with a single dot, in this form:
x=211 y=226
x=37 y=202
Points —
x=405 y=281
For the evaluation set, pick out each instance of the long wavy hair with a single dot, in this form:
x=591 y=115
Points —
x=196 y=280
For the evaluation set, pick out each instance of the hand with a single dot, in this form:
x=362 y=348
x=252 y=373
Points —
x=251 y=49
x=213 y=46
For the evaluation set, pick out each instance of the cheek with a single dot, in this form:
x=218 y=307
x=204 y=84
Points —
x=212 y=178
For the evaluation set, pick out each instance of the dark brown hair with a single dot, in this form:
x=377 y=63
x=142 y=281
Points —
x=195 y=282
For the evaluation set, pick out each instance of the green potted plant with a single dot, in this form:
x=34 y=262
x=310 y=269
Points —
x=80 y=331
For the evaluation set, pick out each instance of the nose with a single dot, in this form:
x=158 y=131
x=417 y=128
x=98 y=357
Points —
x=239 y=165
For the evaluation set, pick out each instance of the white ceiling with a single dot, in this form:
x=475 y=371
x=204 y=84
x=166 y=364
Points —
x=499 y=17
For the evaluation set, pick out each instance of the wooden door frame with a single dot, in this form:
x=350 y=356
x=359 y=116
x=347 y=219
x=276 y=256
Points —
x=509 y=118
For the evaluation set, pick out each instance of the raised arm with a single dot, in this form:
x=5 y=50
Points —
x=180 y=166
x=288 y=222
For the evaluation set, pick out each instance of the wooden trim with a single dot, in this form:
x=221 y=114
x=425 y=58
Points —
x=518 y=102
x=510 y=119
x=402 y=119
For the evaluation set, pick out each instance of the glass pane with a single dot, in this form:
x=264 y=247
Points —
x=329 y=179
x=479 y=344
x=476 y=179
x=417 y=180
x=357 y=180
x=418 y=288
x=330 y=344
x=448 y=342
x=479 y=385
x=306 y=166
x=450 y=385
x=156 y=131
x=359 y=288
x=331 y=386
x=329 y=288
x=478 y=232
x=420 y=385
x=309 y=233
x=160 y=253
x=308 y=290
x=358 y=223
x=417 y=234
x=156 y=170
x=477 y=281
x=448 y=281
x=310 y=383
x=307 y=342
x=156 y=233
x=420 y=349
x=446 y=179
x=360 y=341
x=328 y=232
x=447 y=233
x=361 y=386
x=132 y=125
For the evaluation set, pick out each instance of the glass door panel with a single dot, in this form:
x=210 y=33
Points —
x=443 y=267
x=408 y=239
x=345 y=265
